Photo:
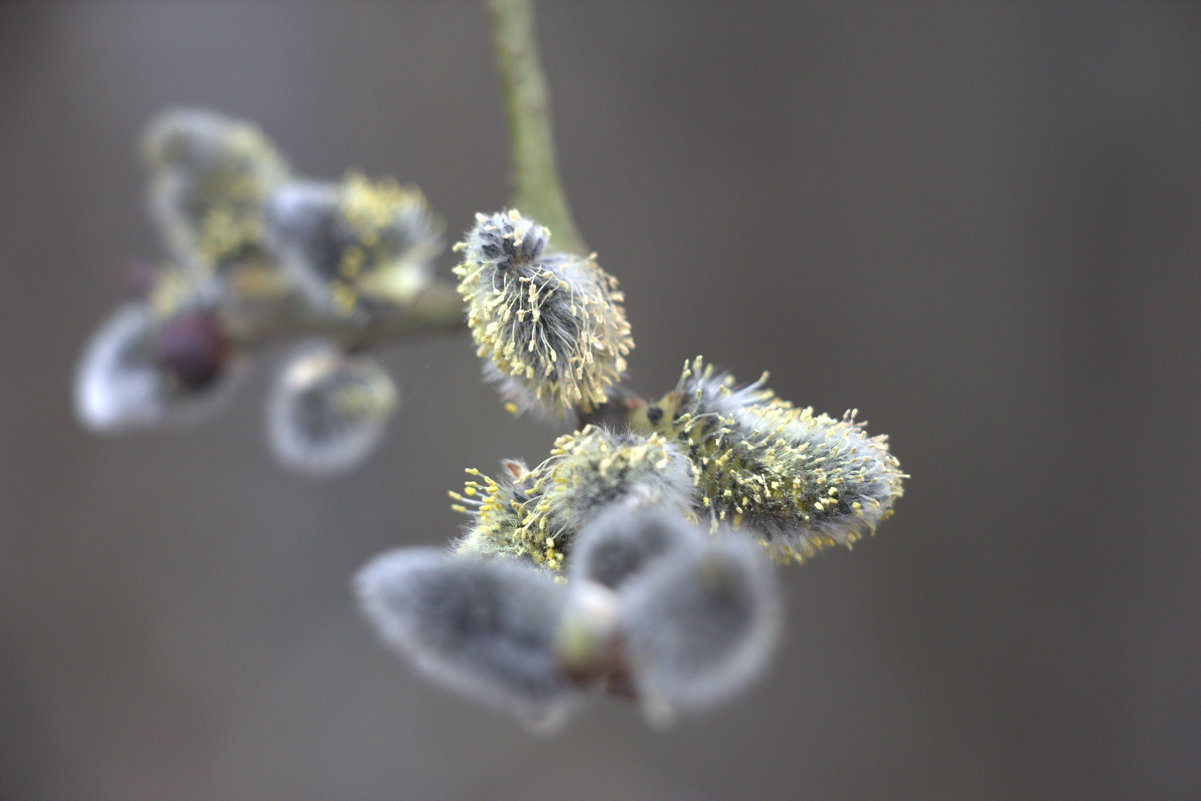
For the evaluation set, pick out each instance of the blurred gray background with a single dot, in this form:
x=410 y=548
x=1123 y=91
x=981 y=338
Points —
x=978 y=223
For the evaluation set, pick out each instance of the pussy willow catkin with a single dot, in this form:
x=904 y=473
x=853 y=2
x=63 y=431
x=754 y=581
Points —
x=209 y=178
x=536 y=513
x=550 y=326
x=803 y=481
x=350 y=243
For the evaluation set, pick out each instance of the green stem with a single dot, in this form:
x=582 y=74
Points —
x=271 y=313
x=537 y=190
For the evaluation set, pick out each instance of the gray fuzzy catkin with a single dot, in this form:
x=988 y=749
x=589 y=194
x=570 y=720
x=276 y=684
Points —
x=301 y=231
x=484 y=628
x=701 y=624
x=621 y=542
x=328 y=411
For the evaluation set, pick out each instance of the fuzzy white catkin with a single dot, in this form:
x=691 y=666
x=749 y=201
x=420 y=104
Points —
x=328 y=411
x=484 y=628
x=119 y=385
x=621 y=542
x=701 y=625
x=115 y=384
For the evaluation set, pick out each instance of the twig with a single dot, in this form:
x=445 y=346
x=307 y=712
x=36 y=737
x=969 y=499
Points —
x=269 y=313
x=537 y=191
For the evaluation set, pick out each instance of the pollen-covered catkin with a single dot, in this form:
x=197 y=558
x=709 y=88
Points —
x=496 y=507
x=803 y=481
x=550 y=327
x=536 y=513
x=486 y=629
x=209 y=178
x=350 y=243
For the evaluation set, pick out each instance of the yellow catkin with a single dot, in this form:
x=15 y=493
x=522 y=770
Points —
x=550 y=327
x=803 y=481
x=535 y=513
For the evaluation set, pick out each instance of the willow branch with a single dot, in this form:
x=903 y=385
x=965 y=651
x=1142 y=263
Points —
x=265 y=314
x=537 y=190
